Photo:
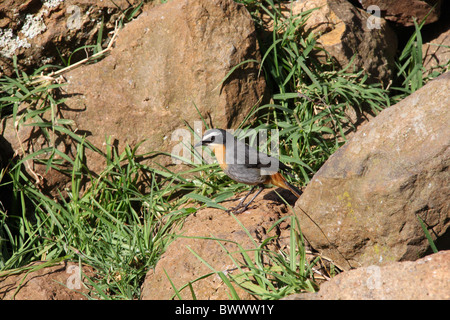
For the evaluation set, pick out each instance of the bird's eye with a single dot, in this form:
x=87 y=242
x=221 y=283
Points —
x=213 y=138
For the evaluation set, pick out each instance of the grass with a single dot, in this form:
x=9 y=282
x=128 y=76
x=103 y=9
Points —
x=310 y=98
x=263 y=272
x=122 y=219
x=112 y=225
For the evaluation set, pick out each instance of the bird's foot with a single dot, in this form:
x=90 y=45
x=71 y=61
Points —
x=235 y=211
x=238 y=209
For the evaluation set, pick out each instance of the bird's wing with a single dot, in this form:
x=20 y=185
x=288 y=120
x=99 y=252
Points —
x=264 y=161
x=252 y=158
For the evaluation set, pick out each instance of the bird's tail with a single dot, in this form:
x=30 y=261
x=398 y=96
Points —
x=293 y=189
x=278 y=180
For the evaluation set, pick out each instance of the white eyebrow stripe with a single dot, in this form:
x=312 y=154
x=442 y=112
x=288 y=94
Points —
x=210 y=135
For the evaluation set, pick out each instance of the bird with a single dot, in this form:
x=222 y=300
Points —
x=245 y=164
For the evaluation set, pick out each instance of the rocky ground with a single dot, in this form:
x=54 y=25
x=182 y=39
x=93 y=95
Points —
x=364 y=201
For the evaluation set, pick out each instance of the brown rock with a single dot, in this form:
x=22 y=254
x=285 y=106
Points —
x=35 y=31
x=365 y=199
x=27 y=138
x=344 y=31
x=58 y=282
x=424 y=279
x=167 y=62
x=436 y=52
x=352 y=34
x=403 y=12
x=182 y=266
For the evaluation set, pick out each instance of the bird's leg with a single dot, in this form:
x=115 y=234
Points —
x=246 y=196
x=243 y=200
x=239 y=206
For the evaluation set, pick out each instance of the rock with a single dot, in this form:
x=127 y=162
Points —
x=182 y=266
x=166 y=63
x=436 y=51
x=366 y=198
x=403 y=12
x=37 y=32
x=424 y=279
x=374 y=45
x=344 y=31
x=27 y=138
x=58 y=282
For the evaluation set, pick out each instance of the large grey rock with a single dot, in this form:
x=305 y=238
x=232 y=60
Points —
x=361 y=207
x=424 y=279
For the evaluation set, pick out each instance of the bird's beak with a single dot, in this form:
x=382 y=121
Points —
x=198 y=144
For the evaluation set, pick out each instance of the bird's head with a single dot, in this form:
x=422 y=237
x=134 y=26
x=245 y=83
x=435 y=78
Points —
x=213 y=137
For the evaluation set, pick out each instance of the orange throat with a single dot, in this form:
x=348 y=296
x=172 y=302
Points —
x=219 y=152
